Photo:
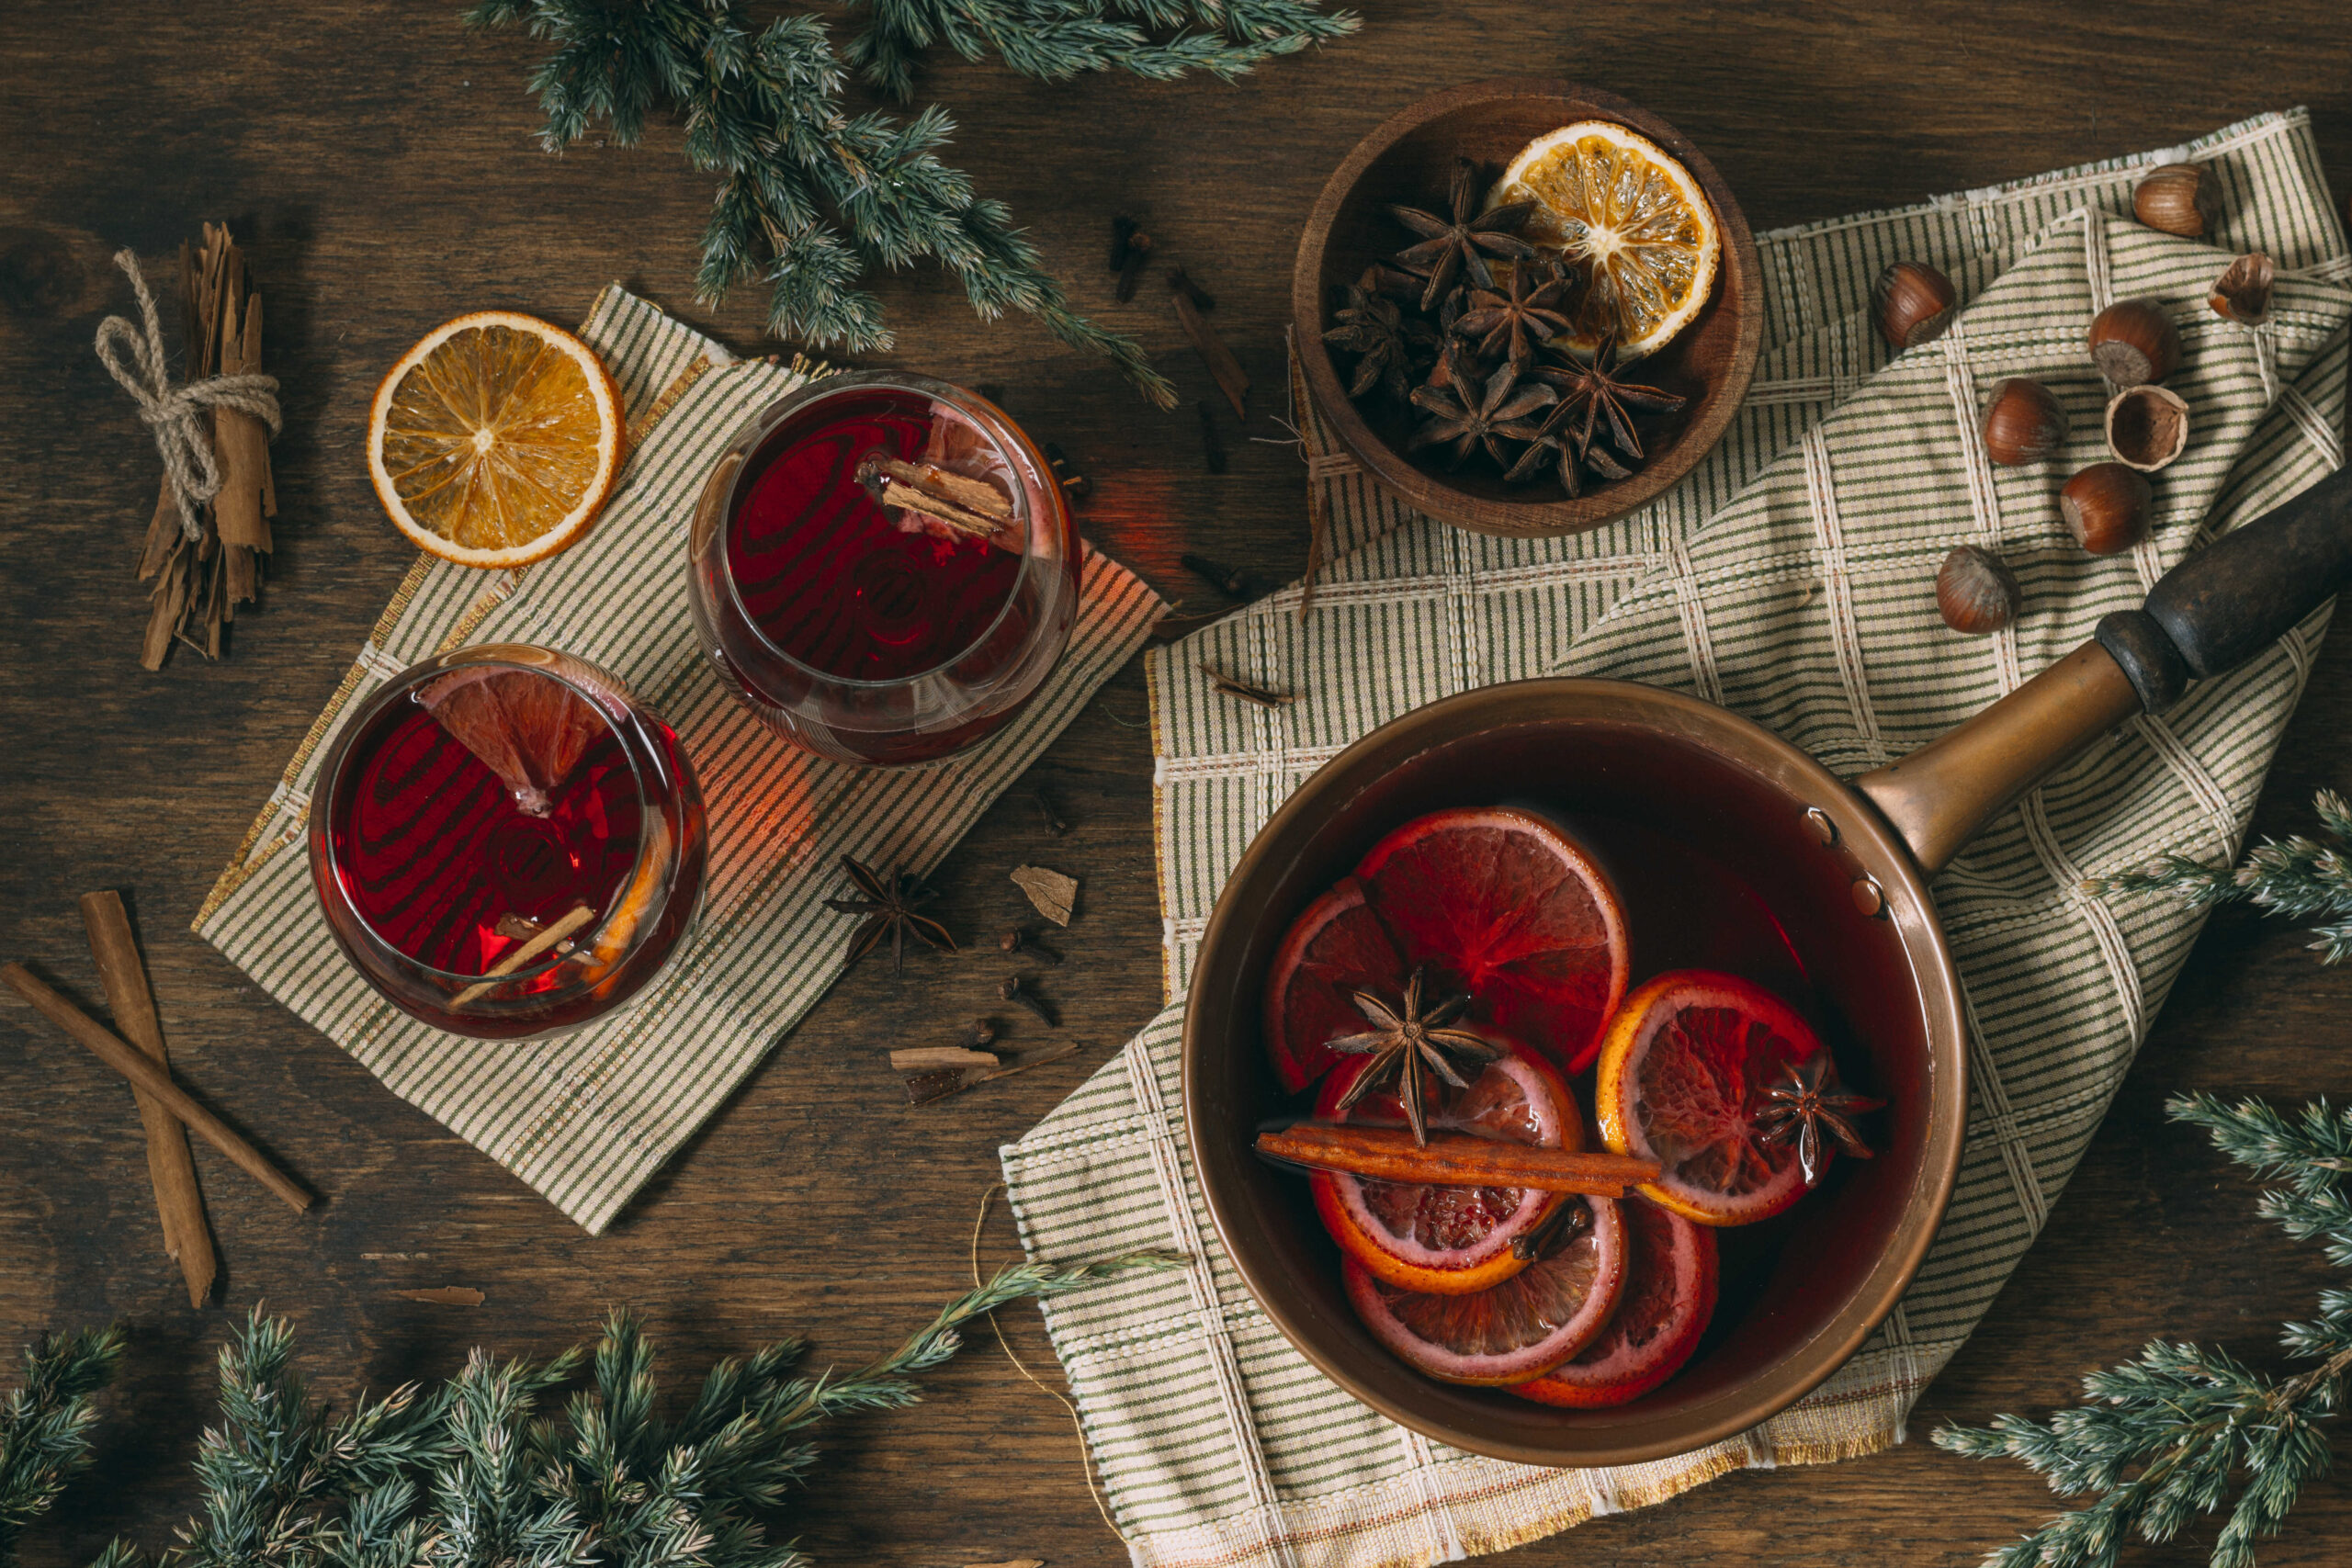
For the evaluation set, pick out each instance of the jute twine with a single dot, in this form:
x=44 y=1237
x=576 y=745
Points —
x=176 y=415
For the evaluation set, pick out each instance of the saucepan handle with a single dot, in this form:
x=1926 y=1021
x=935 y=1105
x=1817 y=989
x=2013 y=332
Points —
x=2207 y=616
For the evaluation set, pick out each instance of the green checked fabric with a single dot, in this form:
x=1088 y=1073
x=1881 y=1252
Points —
x=1790 y=579
x=586 y=1119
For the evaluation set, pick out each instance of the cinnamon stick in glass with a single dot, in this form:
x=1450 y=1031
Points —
x=188 y=1237
x=1452 y=1159
x=133 y=1063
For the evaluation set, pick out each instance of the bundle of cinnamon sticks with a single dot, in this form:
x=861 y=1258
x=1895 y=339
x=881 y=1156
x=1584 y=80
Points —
x=198 y=582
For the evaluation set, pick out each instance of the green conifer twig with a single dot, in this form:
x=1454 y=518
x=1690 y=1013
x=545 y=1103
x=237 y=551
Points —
x=45 y=1425
x=2297 y=878
x=2171 y=1434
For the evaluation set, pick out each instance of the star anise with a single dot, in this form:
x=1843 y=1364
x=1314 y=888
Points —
x=1806 y=1103
x=1525 y=311
x=1564 y=443
x=1405 y=1043
x=1471 y=415
x=1382 y=337
x=1606 y=400
x=890 y=904
x=1451 y=251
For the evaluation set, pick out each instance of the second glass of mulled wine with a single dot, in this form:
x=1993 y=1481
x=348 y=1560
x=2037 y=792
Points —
x=883 y=568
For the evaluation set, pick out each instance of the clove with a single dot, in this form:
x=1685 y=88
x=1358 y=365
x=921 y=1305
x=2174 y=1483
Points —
x=1181 y=282
x=1122 y=230
x=1131 y=266
x=1231 y=582
x=1212 y=443
x=1075 y=485
x=1015 y=989
x=1015 y=941
x=1054 y=823
x=1246 y=691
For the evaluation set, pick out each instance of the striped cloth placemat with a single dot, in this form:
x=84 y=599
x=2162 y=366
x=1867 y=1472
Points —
x=585 y=1120
x=1790 y=578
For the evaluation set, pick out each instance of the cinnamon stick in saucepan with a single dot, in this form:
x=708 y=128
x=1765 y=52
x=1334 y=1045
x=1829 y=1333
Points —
x=188 y=1237
x=1452 y=1159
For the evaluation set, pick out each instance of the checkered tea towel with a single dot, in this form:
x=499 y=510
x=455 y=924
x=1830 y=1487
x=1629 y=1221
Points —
x=587 y=1119
x=1790 y=579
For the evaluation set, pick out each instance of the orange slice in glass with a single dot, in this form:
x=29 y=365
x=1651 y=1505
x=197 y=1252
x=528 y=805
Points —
x=1632 y=219
x=496 y=440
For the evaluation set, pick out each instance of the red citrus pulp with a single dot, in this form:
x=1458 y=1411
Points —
x=1669 y=1295
x=1448 y=1240
x=1514 y=1331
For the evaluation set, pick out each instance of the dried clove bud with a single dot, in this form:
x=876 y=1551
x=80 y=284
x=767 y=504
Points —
x=1212 y=443
x=1054 y=823
x=1181 y=282
x=1015 y=942
x=1075 y=485
x=1231 y=582
x=2147 y=426
x=1131 y=270
x=2179 y=199
x=2024 y=423
x=1976 y=593
x=1015 y=989
x=1122 y=230
x=2106 y=508
x=2134 y=341
x=2241 y=294
x=1912 y=304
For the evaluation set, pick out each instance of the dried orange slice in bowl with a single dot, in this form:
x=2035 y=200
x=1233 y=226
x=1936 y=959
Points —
x=496 y=440
x=1687 y=1063
x=1448 y=1240
x=1633 y=220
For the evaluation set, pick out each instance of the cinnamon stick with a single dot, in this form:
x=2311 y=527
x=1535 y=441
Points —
x=553 y=936
x=188 y=1237
x=1231 y=380
x=133 y=1063
x=1452 y=1159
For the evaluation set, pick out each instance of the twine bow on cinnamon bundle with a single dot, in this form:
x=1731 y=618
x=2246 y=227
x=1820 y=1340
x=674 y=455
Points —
x=212 y=510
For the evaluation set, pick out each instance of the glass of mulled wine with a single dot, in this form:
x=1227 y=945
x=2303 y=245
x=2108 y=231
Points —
x=883 y=568
x=506 y=843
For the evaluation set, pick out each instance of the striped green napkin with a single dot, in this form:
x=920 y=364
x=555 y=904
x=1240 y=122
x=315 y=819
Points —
x=1789 y=578
x=587 y=1119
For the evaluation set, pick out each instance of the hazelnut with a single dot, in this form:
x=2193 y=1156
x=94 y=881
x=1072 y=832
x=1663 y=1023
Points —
x=2241 y=294
x=1912 y=302
x=2023 y=424
x=2147 y=426
x=1976 y=592
x=2106 y=507
x=2134 y=341
x=2179 y=199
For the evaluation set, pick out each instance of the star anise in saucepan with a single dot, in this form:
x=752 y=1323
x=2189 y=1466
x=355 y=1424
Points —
x=1451 y=251
x=1806 y=1103
x=1405 y=1044
x=1524 y=311
x=1471 y=415
x=890 y=904
x=1381 y=336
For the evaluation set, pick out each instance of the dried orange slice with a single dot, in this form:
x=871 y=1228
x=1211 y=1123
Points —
x=496 y=440
x=1448 y=1240
x=1634 y=222
x=1688 y=1061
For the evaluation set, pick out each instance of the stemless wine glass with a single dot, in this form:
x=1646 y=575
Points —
x=506 y=843
x=883 y=568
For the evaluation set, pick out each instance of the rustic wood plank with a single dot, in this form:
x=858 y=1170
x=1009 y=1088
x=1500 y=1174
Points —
x=381 y=178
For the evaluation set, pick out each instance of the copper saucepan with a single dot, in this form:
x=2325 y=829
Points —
x=1687 y=799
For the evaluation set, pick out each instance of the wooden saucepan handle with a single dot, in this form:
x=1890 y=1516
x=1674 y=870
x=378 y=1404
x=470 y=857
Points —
x=2207 y=616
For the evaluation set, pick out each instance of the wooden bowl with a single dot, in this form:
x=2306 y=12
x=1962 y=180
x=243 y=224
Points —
x=1406 y=161
x=1732 y=850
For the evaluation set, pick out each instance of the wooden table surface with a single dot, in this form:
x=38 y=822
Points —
x=377 y=163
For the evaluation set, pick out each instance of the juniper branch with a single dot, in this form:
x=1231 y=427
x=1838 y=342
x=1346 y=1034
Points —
x=2299 y=877
x=45 y=1425
x=2166 y=1437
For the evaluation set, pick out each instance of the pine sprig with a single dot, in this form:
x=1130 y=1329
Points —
x=2173 y=1435
x=474 y=1474
x=45 y=1425
x=2299 y=877
x=810 y=193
